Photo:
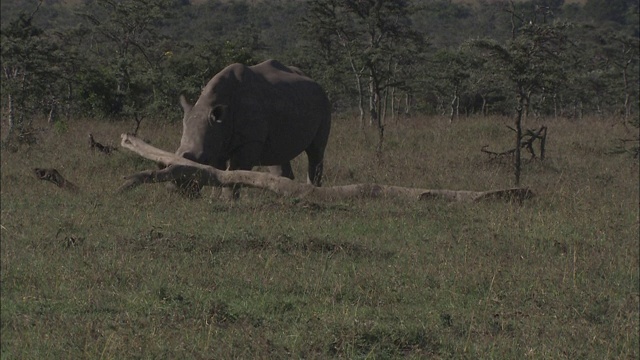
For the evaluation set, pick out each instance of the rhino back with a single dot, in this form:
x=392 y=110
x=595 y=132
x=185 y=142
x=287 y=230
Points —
x=275 y=105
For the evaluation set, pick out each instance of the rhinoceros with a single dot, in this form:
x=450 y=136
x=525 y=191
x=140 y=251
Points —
x=261 y=115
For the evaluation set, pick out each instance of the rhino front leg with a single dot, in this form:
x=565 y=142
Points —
x=230 y=192
x=283 y=170
x=227 y=192
x=245 y=159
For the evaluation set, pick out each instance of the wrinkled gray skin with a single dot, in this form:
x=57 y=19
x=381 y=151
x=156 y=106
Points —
x=261 y=115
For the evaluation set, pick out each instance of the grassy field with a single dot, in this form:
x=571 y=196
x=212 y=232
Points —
x=150 y=274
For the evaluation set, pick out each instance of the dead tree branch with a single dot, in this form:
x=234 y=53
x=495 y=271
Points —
x=527 y=142
x=498 y=155
x=178 y=168
x=138 y=119
x=102 y=148
x=52 y=175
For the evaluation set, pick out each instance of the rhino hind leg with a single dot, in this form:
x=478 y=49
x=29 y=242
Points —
x=315 y=151
x=315 y=167
x=315 y=155
x=315 y=173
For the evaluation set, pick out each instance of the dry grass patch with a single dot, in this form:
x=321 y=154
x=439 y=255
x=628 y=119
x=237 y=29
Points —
x=152 y=274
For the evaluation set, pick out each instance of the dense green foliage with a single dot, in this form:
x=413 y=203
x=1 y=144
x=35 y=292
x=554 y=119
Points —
x=110 y=58
x=150 y=274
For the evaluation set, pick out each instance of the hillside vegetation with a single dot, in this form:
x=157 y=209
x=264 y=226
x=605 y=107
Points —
x=114 y=59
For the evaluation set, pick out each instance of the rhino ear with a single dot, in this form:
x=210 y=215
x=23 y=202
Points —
x=185 y=104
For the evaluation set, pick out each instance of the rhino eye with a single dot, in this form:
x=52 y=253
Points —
x=218 y=112
x=213 y=119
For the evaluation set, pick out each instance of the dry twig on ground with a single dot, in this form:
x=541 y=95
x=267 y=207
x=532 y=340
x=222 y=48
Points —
x=52 y=175
x=100 y=147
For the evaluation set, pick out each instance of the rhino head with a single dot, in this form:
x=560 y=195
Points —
x=206 y=131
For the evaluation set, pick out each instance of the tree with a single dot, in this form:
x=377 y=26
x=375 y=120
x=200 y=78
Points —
x=454 y=68
x=620 y=56
x=374 y=38
x=608 y=10
x=532 y=62
x=127 y=53
x=30 y=72
x=128 y=58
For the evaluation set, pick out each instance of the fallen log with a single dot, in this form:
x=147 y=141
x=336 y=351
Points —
x=179 y=168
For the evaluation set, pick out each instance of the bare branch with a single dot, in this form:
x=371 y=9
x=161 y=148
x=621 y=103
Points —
x=52 y=175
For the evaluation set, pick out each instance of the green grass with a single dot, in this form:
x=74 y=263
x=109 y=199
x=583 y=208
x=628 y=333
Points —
x=149 y=274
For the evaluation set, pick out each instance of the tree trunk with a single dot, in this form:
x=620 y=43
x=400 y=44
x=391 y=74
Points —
x=12 y=117
x=484 y=105
x=52 y=114
x=383 y=107
x=526 y=101
x=69 y=100
x=380 y=137
x=627 y=97
x=393 y=104
x=516 y=161
x=358 y=75
x=441 y=107
x=373 y=103
x=543 y=140
x=455 y=104
x=407 y=104
x=376 y=109
x=512 y=10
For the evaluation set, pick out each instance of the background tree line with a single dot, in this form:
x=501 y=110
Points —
x=131 y=59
